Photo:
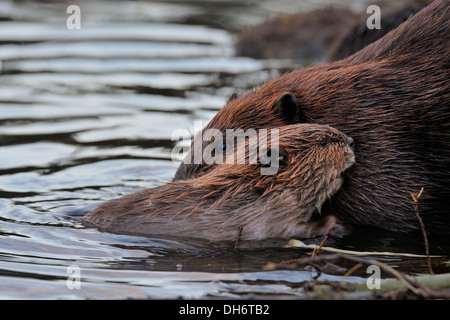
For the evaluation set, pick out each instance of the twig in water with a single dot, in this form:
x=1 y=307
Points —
x=316 y=250
x=313 y=254
x=299 y=244
x=352 y=269
x=422 y=227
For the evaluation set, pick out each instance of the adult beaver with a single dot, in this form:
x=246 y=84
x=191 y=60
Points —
x=236 y=199
x=303 y=36
x=393 y=98
x=325 y=34
x=357 y=36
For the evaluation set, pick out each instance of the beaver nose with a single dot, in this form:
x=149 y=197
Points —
x=351 y=143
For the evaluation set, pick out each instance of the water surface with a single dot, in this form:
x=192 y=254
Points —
x=87 y=115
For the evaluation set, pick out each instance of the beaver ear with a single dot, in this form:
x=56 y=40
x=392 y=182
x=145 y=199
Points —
x=288 y=107
x=232 y=97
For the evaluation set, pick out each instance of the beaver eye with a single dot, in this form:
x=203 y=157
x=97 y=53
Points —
x=323 y=143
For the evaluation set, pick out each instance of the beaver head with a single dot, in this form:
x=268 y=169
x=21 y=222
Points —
x=310 y=161
x=276 y=111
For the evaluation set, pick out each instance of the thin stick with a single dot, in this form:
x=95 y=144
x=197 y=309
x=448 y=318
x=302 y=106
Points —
x=316 y=250
x=299 y=244
x=351 y=270
x=422 y=227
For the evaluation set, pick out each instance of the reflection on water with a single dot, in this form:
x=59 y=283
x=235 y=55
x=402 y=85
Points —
x=87 y=115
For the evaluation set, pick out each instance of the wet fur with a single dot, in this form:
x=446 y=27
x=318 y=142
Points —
x=216 y=205
x=393 y=98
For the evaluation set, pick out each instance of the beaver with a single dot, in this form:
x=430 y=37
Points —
x=357 y=36
x=295 y=36
x=324 y=34
x=236 y=199
x=393 y=99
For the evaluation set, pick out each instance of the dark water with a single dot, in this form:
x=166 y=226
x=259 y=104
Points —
x=87 y=115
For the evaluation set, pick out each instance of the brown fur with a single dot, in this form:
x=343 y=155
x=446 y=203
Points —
x=325 y=34
x=301 y=36
x=215 y=205
x=393 y=98
x=357 y=36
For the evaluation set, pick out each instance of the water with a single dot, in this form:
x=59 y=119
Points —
x=87 y=115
